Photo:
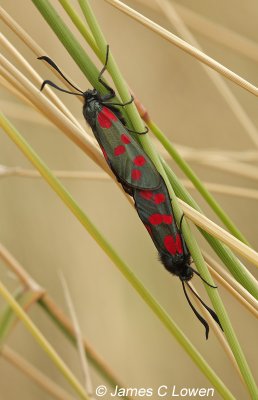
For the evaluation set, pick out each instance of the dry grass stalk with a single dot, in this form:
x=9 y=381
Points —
x=199 y=55
x=34 y=374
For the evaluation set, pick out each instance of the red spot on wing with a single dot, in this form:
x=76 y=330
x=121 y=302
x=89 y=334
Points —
x=159 y=198
x=146 y=194
x=167 y=219
x=104 y=153
x=148 y=229
x=170 y=244
x=119 y=150
x=105 y=118
x=139 y=160
x=125 y=139
x=136 y=174
x=179 y=244
x=156 y=219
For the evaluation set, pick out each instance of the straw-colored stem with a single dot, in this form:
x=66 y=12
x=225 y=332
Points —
x=83 y=140
x=57 y=315
x=216 y=231
x=234 y=191
x=237 y=269
x=233 y=292
x=144 y=140
x=15 y=267
x=216 y=329
x=240 y=114
x=196 y=181
x=212 y=30
x=199 y=55
x=79 y=338
x=124 y=269
x=236 y=168
x=36 y=78
x=215 y=266
x=36 y=333
x=34 y=374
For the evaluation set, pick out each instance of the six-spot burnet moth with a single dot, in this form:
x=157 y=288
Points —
x=139 y=178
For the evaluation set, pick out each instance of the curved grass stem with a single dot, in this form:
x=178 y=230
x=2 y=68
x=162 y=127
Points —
x=44 y=344
x=161 y=314
x=196 y=181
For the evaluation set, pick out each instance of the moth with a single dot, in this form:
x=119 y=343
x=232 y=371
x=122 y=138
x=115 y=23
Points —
x=139 y=178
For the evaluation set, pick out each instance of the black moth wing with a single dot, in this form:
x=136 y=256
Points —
x=155 y=211
x=125 y=156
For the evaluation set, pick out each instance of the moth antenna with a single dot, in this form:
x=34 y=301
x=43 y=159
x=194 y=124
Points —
x=211 y=312
x=200 y=318
x=50 y=83
x=207 y=283
x=105 y=64
x=53 y=65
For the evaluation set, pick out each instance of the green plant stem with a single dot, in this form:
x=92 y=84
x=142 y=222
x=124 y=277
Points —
x=196 y=181
x=43 y=342
x=224 y=319
x=236 y=268
x=103 y=370
x=72 y=45
x=80 y=25
x=75 y=50
x=121 y=265
x=8 y=317
x=122 y=89
x=69 y=41
x=120 y=84
x=145 y=142
x=27 y=295
x=193 y=247
x=157 y=132
x=137 y=123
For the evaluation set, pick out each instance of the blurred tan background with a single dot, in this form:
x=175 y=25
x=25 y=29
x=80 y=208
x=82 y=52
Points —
x=43 y=235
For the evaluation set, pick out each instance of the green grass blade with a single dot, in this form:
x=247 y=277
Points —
x=103 y=372
x=100 y=40
x=35 y=332
x=8 y=317
x=80 y=25
x=236 y=268
x=196 y=182
x=69 y=41
x=120 y=264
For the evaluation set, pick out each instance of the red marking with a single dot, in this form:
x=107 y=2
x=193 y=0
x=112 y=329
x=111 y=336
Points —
x=139 y=161
x=136 y=174
x=170 y=244
x=146 y=194
x=148 y=229
x=179 y=244
x=105 y=118
x=104 y=153
x=167 y=219
x=119 y=150
x=159 y=198
x=125 y=139
x=156 y=219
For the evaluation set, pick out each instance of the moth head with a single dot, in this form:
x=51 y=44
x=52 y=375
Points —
x=177 y=266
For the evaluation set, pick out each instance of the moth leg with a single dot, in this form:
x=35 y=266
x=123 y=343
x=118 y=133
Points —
x=139 y=133
x=180 y=223
x=117 y=104
x=111 y=91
